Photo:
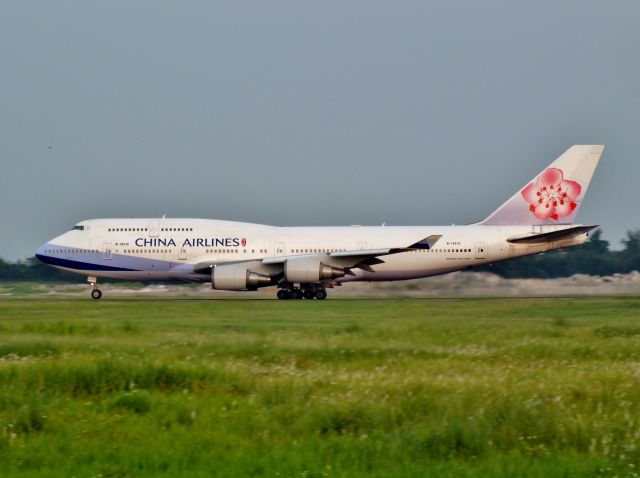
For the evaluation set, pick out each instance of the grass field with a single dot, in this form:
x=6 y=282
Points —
x=340 y=388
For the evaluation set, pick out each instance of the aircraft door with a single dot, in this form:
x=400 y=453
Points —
x=362 y=246
x=182 y=254
x=481 y=250
x=154 y=228
x=278 y=249
x=107 y=251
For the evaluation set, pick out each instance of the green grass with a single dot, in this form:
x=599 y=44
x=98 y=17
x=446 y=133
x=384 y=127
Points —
x=341 y=388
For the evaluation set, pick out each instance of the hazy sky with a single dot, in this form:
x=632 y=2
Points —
x=309 y=113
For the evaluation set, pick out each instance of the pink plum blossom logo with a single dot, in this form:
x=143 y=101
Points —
x=551 y=196
x=243 y=242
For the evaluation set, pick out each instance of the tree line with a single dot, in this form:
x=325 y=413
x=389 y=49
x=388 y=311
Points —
x=593 y=258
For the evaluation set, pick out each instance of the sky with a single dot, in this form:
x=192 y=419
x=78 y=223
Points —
x=309 y=113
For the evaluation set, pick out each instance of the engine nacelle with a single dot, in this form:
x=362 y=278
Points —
x=308 y=270
x=237 y=277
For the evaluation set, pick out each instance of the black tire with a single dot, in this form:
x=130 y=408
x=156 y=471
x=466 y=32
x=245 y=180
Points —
x=309 y=294
x=96 y=294
x=296 y=294
x=321 y=294
x=283 y=294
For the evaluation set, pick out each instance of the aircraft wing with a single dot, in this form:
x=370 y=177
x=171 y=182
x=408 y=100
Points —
x=350 y=259
x=359 y=253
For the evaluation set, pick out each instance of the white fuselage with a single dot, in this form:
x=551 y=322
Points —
x=303 y=261
x=168 y=249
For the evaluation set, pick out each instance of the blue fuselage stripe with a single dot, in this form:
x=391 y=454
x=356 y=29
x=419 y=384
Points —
x=78 y=265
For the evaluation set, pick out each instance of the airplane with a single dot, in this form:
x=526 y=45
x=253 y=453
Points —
x=302 y=262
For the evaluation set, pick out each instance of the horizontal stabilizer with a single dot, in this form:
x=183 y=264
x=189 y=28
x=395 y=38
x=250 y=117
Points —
x=551 y=236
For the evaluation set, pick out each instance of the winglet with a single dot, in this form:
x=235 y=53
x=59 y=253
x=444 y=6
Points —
x=426 y=243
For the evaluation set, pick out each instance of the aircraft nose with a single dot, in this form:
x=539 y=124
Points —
x=41 y=251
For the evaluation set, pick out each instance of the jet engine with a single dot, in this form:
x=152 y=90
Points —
x=237 y=277
x=307 y=270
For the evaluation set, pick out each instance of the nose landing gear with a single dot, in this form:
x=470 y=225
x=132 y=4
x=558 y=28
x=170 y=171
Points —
x=96 y=293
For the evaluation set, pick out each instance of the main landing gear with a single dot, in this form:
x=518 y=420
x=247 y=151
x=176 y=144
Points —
x=307 y=292
x=96 y=293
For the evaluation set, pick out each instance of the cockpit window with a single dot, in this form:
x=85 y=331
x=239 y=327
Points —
x=79 y=228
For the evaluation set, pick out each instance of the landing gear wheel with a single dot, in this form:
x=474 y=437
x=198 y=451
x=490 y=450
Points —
x=96 y=293
x=283 y=294
x=296 y=294
x=321 y=294
x=309 y=294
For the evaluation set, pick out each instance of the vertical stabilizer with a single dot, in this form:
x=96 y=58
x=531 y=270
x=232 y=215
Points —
x=555 y=195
